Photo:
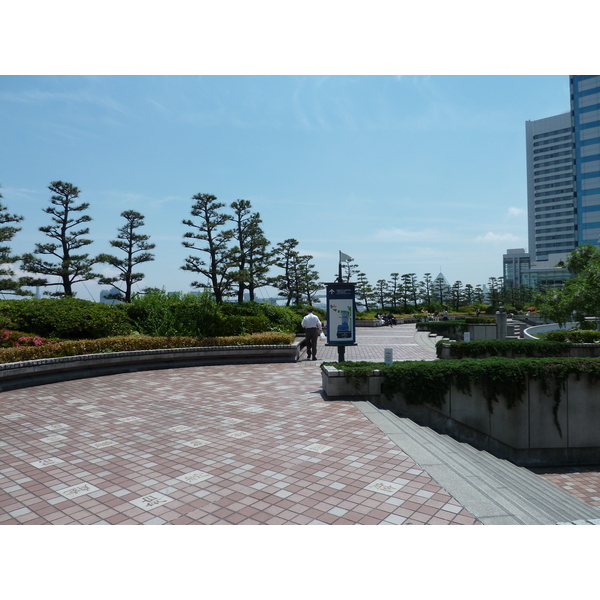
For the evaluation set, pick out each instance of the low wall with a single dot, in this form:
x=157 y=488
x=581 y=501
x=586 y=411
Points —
x=51 y=370
x=530 y=332
x=526 y=434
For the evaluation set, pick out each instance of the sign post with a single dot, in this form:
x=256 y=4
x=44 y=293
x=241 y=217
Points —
x=341 y=316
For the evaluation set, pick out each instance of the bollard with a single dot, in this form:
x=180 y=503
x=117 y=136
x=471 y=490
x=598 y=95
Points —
x=388 y=356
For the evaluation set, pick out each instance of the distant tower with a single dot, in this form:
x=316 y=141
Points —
x=563 y=174
x=551 y=198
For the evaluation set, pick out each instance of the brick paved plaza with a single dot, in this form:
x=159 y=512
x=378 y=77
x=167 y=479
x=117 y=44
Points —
x=237 y=444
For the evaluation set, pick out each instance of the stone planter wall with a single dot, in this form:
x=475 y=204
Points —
x=525 y=434
x=51 y=370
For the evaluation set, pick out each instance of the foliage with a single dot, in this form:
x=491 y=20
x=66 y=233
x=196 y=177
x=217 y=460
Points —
x=299 y=281
x=480 y=320
x=279 y=318
x=8 y=282
x=160 y=314
x=140 y=342
x=579 y=296
x=251 y=257
x=575 y=336
x=299 y=312
x=135 y=246
x=506 y=348
x=66 y=318
x=69 y=267
x=428 y=382
x=208 y=229
x=17 y=339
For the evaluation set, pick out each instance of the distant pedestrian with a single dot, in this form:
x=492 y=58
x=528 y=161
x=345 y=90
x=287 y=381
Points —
x=445 y=317
x=313 y=328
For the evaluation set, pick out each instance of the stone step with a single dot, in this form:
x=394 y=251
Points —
x=533 y=492
x=493 y=490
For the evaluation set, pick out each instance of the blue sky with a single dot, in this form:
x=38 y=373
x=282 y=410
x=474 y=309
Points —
x=403 y=173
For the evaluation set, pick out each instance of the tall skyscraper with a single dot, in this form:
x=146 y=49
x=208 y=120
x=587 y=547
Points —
x=551 y=197
x=585 y=114
x=563 y=186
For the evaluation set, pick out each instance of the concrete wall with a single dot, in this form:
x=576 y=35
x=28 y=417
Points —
x=526 y=434
x=51 y=370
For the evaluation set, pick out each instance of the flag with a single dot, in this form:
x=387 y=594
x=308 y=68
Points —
x=344 y=257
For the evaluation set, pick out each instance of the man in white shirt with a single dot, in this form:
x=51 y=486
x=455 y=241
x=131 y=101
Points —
x=313 y=328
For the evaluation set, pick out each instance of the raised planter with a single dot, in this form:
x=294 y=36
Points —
x=527 y=434
x=368 y=323
x=51 y=370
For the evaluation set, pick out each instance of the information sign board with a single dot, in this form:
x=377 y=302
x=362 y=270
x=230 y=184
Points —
x=341 y=313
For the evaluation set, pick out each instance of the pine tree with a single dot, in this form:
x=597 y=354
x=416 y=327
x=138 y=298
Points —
x=135 y=246
x=69 y=267
x=218 y=268
x=8 y=283
x=250 y=257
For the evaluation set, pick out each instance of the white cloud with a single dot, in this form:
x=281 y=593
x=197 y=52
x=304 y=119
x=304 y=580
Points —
x=497 y=237
x=515 y=212
x=395 y=234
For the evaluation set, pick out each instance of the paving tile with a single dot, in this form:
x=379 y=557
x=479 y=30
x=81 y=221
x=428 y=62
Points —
x=264 y=447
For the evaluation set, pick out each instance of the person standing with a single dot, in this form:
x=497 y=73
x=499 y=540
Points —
x=313 y=328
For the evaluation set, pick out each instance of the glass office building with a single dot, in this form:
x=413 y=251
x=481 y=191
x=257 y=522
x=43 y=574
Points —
x=585 y=112
x=551 y=194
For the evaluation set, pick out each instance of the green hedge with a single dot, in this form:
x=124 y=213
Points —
x=576 y=337
x=66 y=318
x=156 y=314
x=428 y=382
x=508 y=348
x=139 y=342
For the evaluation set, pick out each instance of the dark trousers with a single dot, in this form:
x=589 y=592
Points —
x=312 y=335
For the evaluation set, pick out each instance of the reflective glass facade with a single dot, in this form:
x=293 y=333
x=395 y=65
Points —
x=585 y=111
x=551 y=192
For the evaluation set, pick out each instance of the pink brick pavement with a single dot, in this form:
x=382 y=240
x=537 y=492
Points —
x=237 y=444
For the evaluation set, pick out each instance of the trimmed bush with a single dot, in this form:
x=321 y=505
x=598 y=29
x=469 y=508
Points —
x=139 y=342
x=66 y=318
x=576 y=337
x=428 y=382
x=507 y=348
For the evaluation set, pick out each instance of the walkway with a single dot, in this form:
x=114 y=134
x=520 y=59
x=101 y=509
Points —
x=238 y=444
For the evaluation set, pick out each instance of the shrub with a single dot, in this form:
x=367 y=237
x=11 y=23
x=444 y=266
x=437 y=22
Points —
x=160 y=314
x=275 y=318
x=480 y=320
x=576 y=337
x=139 y=342
x=66 y=318
x=17 y=339
x=428 y=382
x=509 y=348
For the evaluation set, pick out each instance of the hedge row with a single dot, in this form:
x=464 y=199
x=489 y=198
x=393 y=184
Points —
x=577 y=337
x=504 y=347
x=139 y=342
x=428 y=382
x=155 y=314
